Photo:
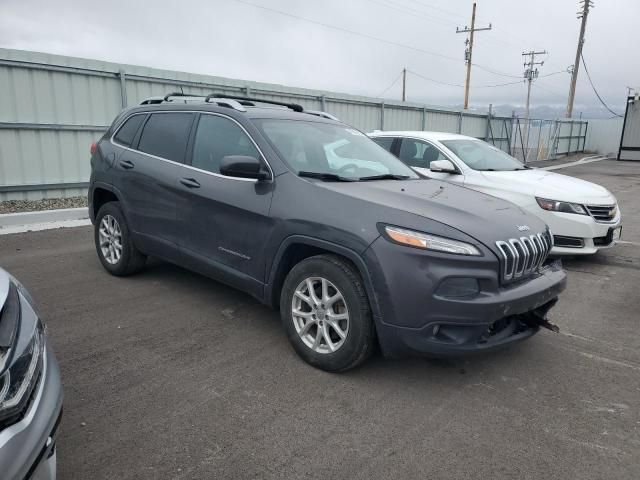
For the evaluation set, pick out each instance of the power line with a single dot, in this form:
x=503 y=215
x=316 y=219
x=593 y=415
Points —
x=586 y=70
x=434 y=80
x=390 y=86
x=364 y=35
x=411 y=11
x=458 y=84
x=495 y=72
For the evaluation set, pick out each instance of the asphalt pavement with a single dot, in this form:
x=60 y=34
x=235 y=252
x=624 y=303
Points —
x=168 y=374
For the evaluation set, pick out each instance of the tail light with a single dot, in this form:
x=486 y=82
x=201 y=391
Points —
x=94 y=147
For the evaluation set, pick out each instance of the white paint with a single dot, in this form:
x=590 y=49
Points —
x=594 y=158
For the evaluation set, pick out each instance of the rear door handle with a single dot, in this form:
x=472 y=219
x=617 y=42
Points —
x=190 y=183
x=126 y=164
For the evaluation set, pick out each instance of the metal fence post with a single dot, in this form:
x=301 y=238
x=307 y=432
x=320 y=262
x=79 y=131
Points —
x=247 y=91
x=123 y=88
x=382 y=115
x=570 y=138
x=323 y=103
x=424 y=119
x=460 y=121
x=486 y=130
x=584 y=139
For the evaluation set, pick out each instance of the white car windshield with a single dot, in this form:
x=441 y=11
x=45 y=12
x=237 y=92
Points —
x=325 y=150
x=479 y=155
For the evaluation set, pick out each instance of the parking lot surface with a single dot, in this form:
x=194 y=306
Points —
x=168 y=374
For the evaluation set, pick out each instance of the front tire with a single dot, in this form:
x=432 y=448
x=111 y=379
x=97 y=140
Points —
x=326 y=315
x=114 y=244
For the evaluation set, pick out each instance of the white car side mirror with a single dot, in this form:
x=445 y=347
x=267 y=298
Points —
x=442 y=166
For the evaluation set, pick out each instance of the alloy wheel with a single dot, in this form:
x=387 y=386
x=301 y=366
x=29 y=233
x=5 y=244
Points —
x=320 y=315
x=110 y=238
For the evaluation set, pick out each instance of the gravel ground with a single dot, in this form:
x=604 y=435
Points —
x=14 y=206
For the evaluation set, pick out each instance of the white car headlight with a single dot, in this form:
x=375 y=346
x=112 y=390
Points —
x=427 y=241
x=559 y=206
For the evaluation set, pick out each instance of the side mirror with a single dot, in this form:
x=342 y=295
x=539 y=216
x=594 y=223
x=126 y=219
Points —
x=242 y=166
x=442 y=166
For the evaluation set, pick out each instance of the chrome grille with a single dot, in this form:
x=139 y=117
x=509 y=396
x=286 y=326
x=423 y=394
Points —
x=603 y=213
x=523 y=256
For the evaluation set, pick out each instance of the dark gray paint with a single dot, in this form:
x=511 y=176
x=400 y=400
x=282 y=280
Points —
x=238 y=231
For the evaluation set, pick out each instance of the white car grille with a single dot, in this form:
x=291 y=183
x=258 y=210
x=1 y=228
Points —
x=603 y=213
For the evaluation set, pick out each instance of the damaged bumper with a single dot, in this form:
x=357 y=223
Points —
x=497 y=316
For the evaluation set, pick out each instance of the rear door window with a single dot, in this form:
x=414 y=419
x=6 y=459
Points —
x=166 y=135
x=128 y=131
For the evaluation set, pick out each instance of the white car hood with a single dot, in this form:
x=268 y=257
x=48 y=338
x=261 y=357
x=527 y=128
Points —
x=554 y=186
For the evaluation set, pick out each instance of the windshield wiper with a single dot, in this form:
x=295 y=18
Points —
x=327 y=177
x=386 y=176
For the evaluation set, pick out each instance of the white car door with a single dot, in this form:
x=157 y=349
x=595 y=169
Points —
x=418 y=154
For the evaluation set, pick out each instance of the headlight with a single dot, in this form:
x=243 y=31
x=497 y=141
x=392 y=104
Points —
x=430 y=242
x=558 y=206
x=21 y=369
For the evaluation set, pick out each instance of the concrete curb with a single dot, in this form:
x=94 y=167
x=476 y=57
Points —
x=43 y=216
x=43 y=220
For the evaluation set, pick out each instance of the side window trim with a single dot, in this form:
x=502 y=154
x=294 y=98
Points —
x=187 y=162
x=136 y=137
x=190 y=146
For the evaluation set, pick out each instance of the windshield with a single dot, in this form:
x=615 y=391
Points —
x=331 y=150
x=480 y=155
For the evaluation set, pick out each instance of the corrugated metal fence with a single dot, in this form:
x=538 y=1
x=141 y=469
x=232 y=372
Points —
x=53 y=107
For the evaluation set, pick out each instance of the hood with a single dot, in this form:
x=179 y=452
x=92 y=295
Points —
x=554 y=186
x=481 y=216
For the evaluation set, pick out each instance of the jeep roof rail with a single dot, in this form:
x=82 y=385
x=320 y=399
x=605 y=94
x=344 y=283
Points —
x=293 y=106
x=322 y=114
x=181 y=94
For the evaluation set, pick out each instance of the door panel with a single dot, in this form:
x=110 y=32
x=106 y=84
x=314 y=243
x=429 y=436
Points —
x=225 y=220
x=147 y=181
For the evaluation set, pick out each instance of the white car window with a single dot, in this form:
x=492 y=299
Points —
x=417 y=153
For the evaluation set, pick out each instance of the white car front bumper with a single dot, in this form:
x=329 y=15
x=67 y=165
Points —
x=588 y=234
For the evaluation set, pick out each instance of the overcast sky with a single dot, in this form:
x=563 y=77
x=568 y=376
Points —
x=249 y=39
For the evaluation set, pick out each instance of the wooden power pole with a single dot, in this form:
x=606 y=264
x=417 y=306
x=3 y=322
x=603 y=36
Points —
x=586 y=4
x=469 y=51
x=531 y=73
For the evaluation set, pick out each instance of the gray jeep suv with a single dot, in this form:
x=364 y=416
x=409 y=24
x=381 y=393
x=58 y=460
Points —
x=310 y=216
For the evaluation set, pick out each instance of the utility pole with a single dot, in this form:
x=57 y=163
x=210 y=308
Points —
x=586 y=4
x=531 y=72
x=468 y=54
x=404 y=84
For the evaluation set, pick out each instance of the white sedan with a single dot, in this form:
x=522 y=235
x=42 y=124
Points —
x=583 y=217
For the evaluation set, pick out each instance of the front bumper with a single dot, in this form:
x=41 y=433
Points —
x=415 y=319
x=27 y=448
x=581 y=227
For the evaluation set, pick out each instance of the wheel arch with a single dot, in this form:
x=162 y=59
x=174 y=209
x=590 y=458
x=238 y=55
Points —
x=298 y=247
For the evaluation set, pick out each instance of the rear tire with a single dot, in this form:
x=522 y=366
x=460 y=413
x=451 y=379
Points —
x=114 y=244
x=326 y=314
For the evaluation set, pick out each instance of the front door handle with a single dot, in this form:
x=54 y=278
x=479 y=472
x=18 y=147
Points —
x=126 y=164
x=190 y=182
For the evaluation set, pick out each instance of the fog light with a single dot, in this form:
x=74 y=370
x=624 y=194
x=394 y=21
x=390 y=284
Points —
x=458 y=287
